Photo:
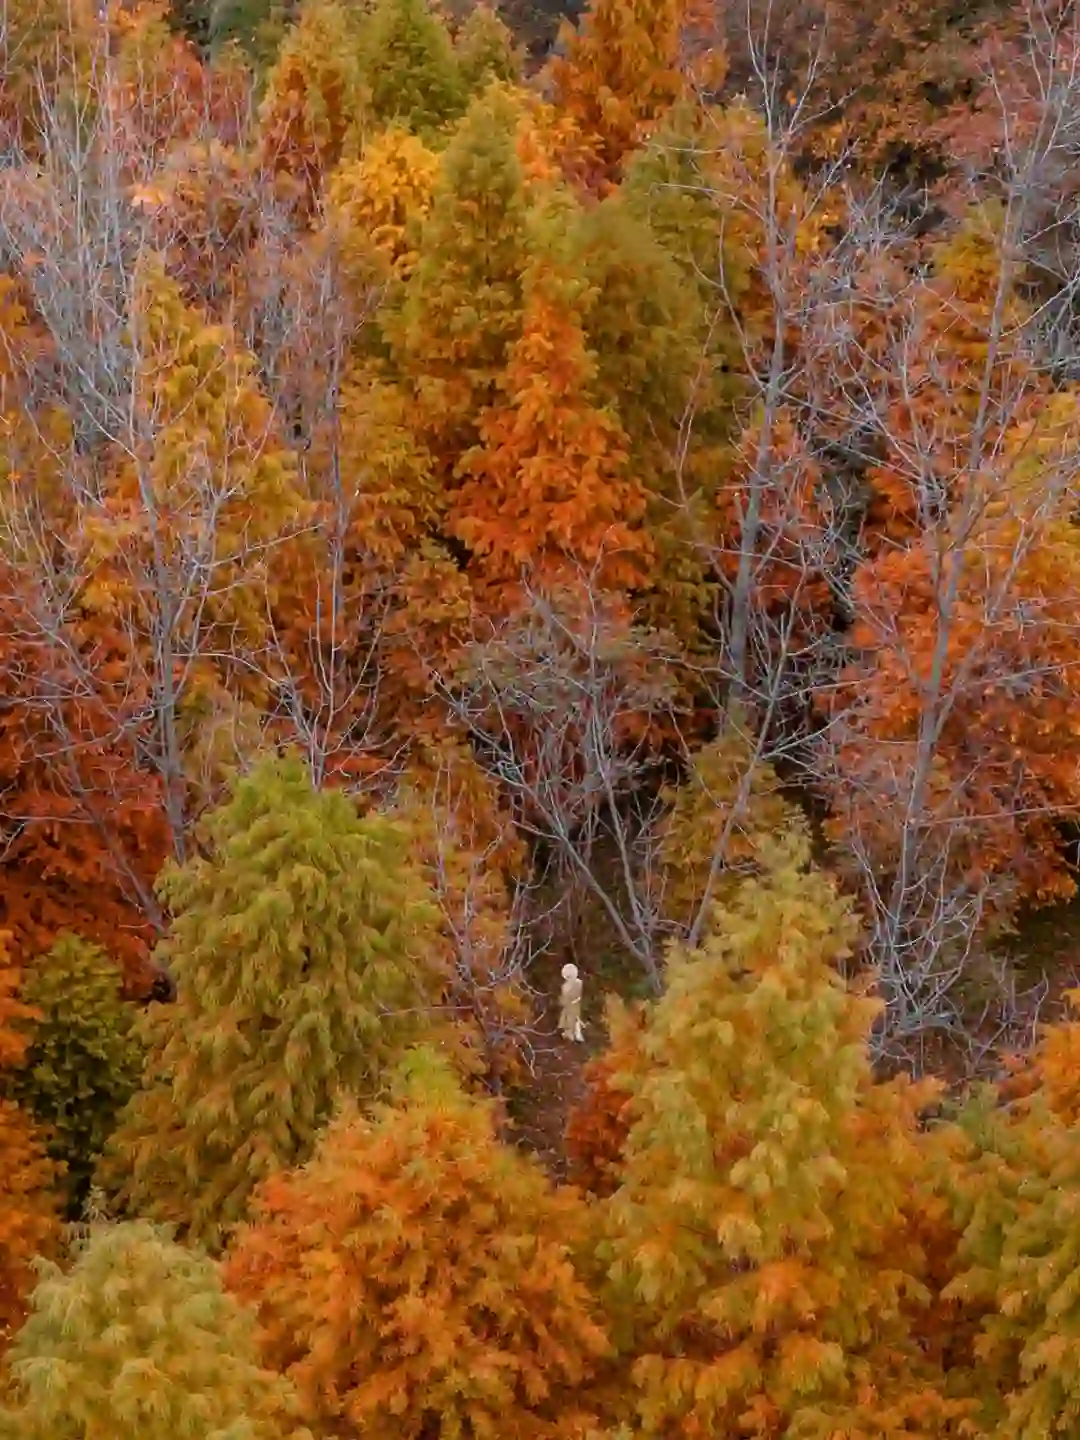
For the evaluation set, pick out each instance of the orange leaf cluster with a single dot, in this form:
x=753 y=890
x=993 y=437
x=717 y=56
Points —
x=417 y=1269
x=28 y=1211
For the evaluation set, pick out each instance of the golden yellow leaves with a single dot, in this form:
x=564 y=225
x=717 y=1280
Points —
x=378 y=201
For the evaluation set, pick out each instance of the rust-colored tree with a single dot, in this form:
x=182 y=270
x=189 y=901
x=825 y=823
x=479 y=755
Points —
x=599 y=1123
x=548 y=492
x=29 y=1217
x=620 y=72
x=415 y=1278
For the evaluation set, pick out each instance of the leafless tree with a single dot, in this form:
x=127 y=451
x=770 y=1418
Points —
x=71 y=224
x=828 y=403
x=558 y=701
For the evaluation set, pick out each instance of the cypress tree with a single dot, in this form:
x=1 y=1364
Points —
x=646 y=328
x=416 y=1276
x=1018 y=1256
x=759 y=1247
x=28 y=1212
x=410 y=68
x=138 y=1339
x=462 y=307
x=84 y=1060
x=548 y=489
x=620 y=72
x=304 y=954
x=315 y=96
x=486 y=50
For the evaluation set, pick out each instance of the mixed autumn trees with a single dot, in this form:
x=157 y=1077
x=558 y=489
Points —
x=458 y=515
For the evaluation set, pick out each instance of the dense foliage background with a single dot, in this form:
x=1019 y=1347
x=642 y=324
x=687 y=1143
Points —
x=475 y=495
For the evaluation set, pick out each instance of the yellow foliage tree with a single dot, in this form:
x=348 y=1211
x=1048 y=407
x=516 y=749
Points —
x=197 y=499
x=486 y=49
x=304 y=951
x=722 y=826
x=379 y=201
x=410 y=67
x=760 y=1248
x=137 y=1337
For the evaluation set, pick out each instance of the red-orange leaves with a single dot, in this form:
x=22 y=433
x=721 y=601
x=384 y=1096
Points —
x=414 y=1278
x=958 y=711
x=600 y=1122
x=81 y=812
x=28 y=1220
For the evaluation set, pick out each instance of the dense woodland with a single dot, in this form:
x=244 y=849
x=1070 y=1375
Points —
x=478 y=496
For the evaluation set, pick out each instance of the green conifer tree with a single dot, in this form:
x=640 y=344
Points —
x=759 y=1246
x=84 y=1060
x=486 y=50
x=462 y=306
x=671 y=186
x=644 y=322
x=1021 y=1242
x=304 y=954
x=416 y=1276
x=257 y=27
x=647 y=328
x=412 y=73
x=138 y=1340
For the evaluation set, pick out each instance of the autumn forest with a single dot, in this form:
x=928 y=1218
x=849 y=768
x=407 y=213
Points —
x=485 y=491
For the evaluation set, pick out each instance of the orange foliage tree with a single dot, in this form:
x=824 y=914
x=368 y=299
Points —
x=956 y=710
x=29 y=1214
x=599 y=1123
x=418 y=1273
x=619 y=71
x=547 y=493
x=46 y=54
x=159 y=93
x=80 y=808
